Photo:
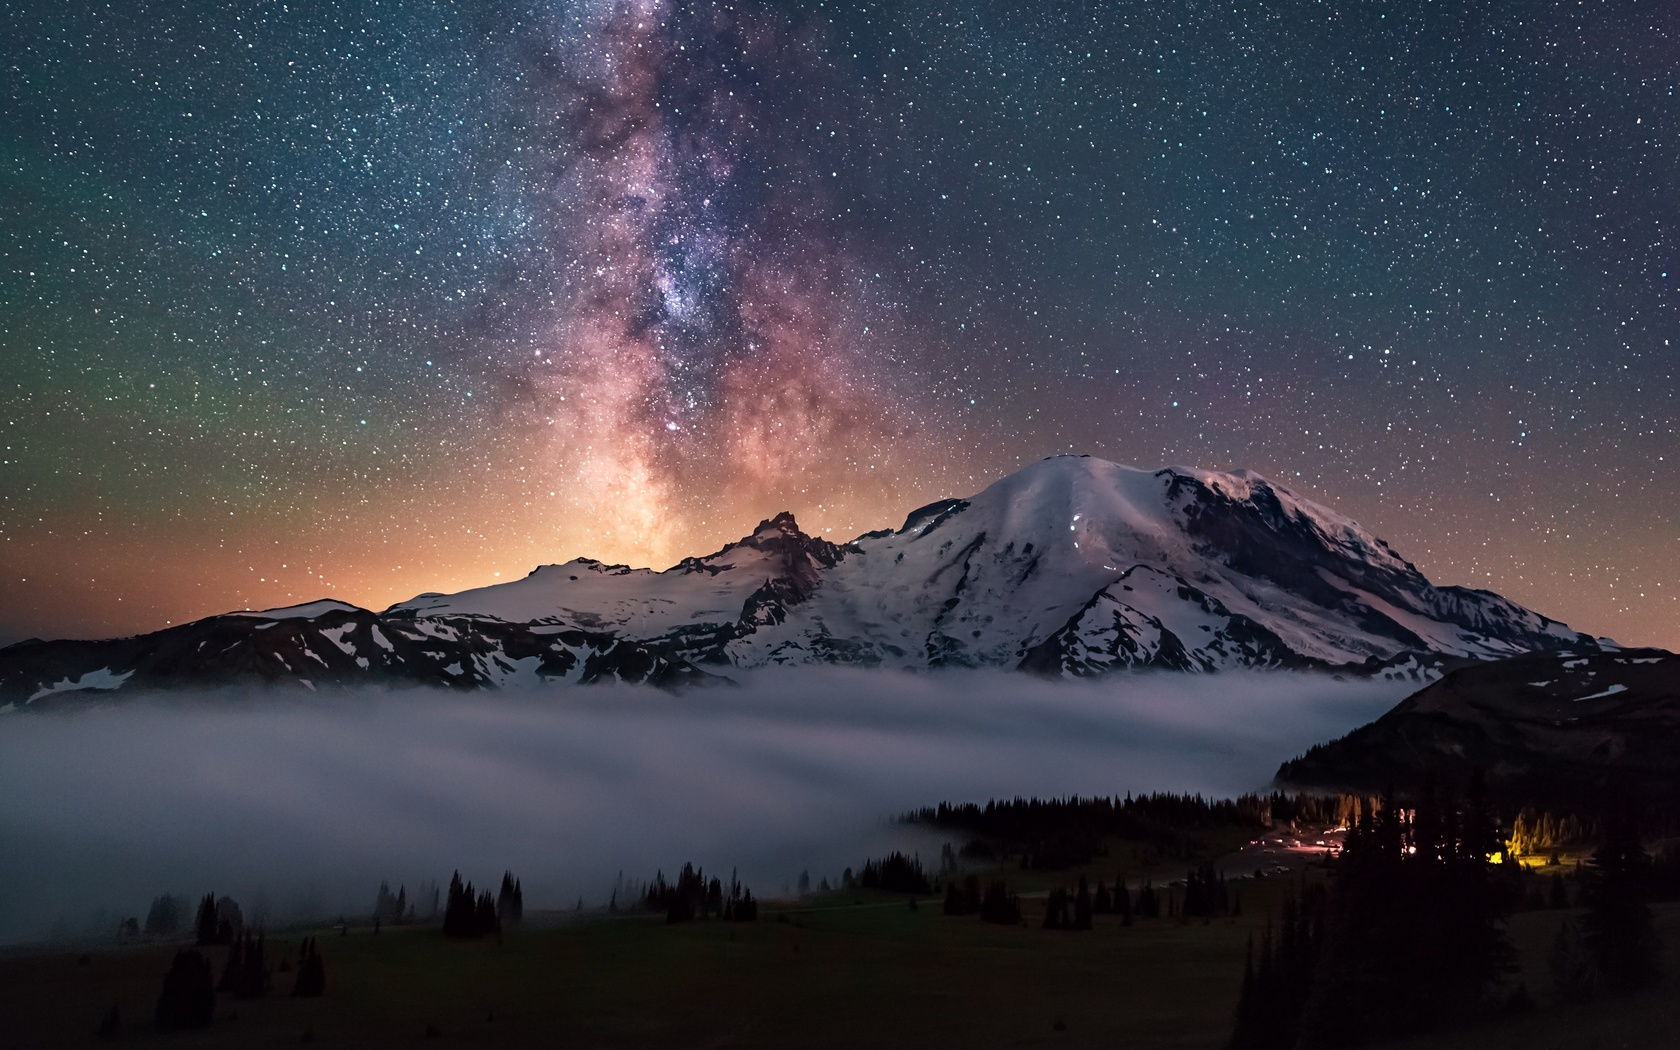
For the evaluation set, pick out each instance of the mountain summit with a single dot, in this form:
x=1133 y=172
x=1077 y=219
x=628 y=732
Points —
x=1072 y=566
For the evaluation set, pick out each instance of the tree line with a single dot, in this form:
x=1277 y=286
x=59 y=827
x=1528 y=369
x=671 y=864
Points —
x=1065 y=832
x=997 y=904
x=694 y=896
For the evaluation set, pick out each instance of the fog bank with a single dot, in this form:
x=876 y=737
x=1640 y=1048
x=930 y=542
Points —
x=302 y=807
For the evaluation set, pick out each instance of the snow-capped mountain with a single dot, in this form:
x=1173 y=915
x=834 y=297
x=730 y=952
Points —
x=1073 y=566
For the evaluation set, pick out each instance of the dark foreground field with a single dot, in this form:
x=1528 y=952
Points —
x=845 y=971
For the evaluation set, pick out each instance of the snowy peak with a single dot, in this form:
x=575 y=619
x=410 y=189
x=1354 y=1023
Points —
x=1045 y=568
x=693 y=610
x=1071 y=566
x=306 y=611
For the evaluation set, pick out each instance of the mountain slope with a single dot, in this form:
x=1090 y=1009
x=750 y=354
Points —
x=1072 y=566
x=1543 y=727
x=325 y=644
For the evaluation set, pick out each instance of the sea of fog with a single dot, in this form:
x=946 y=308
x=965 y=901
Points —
x=300 y=808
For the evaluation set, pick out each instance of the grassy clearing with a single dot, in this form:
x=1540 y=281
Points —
x=846 y=970
x=853 y=969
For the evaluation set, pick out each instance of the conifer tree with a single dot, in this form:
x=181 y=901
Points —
x=1414 y=939
x=452 y=925
x=189 y=996
x=485 y=921
x=255 y=983
x=1573 y=976
x=510 y=901
x=1276 y=980
x=1000 y=906
x=234 y=972
x=468 y=913
x=1617 y=931
x=953 y=899
x=311 y=980
x=1148 y=901
x=205 y=925
x=1053 y=907
x=163 y=919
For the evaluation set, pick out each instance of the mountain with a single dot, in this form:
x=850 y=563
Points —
x=1545 y=728
x=326 y=644
x=1073 y=566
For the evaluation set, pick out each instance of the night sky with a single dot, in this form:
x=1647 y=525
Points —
x=365 y=299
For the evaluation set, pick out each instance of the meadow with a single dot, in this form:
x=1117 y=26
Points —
x=841 y=969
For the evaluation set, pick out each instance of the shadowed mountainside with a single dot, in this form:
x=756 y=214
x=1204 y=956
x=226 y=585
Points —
x=1545 y=727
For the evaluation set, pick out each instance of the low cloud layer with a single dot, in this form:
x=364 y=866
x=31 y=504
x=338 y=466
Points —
x=301 y=808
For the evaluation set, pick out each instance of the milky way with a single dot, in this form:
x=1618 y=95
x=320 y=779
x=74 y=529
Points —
x=702 y=354
x=366 y=299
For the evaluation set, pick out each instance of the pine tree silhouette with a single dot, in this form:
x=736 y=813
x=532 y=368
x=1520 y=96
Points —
x=1054 y=905
x=485 y=921
x=163 y=919
x=311 y=980
x=1573 y=974
x=1414 y=940
x=895 y=873
x=189 y=996
x=205 y=925
x=1000 y=906
x=1082 y=906
x=234 y=971
x=1617 y=931
x=953 y=900
x=1276 y=983
x=472 y=914
x=510 y=901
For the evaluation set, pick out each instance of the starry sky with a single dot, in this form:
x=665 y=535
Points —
x=376 y=297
